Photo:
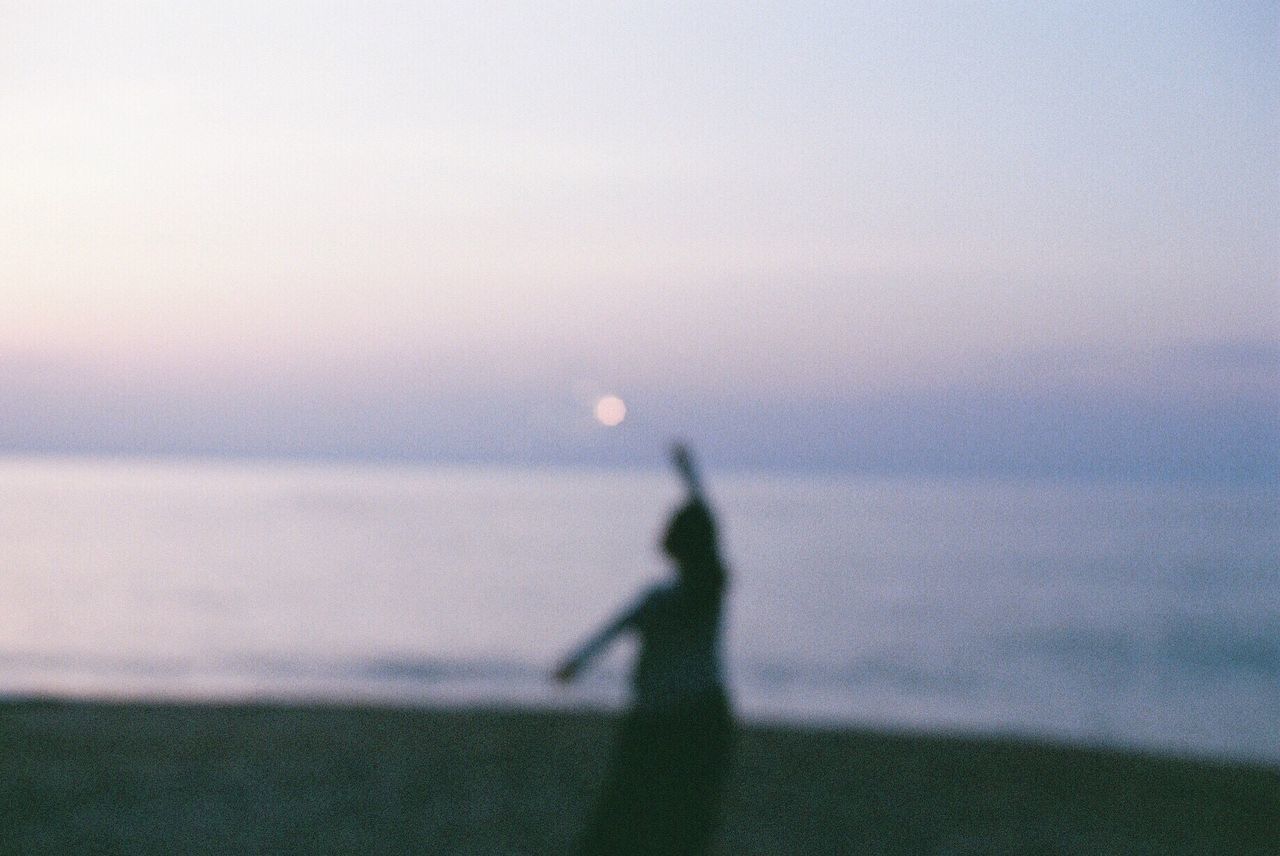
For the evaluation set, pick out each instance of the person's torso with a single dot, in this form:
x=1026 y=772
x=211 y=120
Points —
x=679 y=657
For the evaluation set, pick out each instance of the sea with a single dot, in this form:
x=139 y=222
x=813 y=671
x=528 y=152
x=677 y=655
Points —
x=1121 y=614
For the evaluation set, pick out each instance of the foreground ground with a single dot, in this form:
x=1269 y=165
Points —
x=144 y=779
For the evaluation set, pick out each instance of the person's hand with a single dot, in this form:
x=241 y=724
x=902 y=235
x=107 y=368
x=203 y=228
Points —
x=565 y=672
x=683 y=462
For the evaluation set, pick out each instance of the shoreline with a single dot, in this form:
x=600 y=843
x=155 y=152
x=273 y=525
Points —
x=615 y=704
x=293 y=777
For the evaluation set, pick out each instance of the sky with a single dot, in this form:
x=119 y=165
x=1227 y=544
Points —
x=894 y=237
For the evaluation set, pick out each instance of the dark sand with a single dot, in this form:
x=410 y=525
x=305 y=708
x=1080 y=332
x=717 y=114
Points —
x=143 y=779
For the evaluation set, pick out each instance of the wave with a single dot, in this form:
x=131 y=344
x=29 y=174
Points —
x=1179 y=648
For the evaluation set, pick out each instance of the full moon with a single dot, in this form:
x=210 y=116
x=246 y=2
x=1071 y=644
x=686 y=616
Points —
x=610 y=411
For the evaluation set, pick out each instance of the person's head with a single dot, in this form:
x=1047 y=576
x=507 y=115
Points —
x=690 y=540
x=691 y=534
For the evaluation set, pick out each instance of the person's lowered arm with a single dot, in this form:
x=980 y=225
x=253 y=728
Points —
x=572 y=664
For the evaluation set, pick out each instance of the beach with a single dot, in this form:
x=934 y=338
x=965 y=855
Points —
x=99 y=777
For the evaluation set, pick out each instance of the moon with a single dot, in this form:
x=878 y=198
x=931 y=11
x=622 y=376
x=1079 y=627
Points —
x=610 y=411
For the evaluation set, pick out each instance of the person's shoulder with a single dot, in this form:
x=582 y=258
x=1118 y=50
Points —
x=656 y=596
x=658 y=592
x=666 y=588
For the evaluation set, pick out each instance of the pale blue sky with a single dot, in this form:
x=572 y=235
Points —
x=383 y=207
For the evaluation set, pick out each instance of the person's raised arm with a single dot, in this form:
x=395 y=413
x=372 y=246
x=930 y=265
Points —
x=683 y=462
x=571 y=664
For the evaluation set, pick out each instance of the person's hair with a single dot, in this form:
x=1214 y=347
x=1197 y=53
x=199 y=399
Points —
x=691 y=541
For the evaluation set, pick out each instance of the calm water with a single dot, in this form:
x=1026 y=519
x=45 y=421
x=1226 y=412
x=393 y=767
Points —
x=1134 y=615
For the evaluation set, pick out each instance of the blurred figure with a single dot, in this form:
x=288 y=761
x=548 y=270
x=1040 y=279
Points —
x=668 y=769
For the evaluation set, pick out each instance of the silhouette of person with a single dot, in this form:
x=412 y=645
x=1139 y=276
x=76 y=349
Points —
x=671 y=754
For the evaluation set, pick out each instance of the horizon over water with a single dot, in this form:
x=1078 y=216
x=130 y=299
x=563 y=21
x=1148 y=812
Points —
x=1125 y=614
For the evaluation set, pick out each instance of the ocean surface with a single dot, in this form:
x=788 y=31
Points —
x=1133 y=615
